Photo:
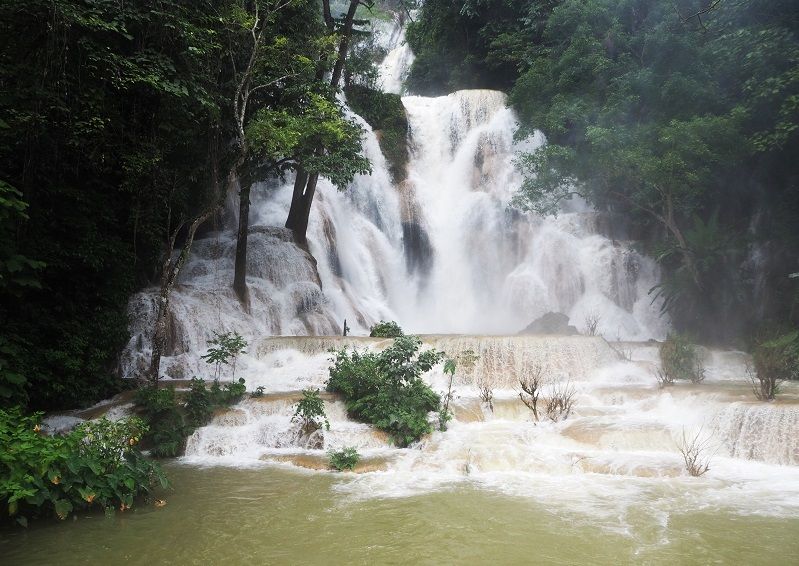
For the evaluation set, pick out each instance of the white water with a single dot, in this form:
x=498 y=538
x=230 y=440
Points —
x=395 y=67
x=618 y=447
x=441 y=252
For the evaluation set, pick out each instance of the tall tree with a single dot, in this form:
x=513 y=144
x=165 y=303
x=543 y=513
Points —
x=307 y=176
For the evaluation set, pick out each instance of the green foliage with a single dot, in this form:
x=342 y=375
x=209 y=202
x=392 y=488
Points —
x=676 y=124
x=385 y=113
x=472 y=44
x=680 y=360
x=224 y=348
x=386 y=388
x=777 y=358
x=199 y=404
x=12 y=381
x=385 y=329
x=113 y=133
x=167 y=428
x=233 y=392
x=259 y=392
x=96 y=465
x=170 y=422
x=344 y=459
x=16 y=271
x=326 y=126
x=105 y=134
x=310 y=411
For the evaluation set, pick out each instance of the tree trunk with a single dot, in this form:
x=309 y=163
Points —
x=169 y=274
x=344 y=45
x=301 y=203
x=240 y=271
x=294 y=220
x=305 y=183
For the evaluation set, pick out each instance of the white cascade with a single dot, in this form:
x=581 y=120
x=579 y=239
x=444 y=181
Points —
x=441 y=251
x=395 y=67
x=620 y=442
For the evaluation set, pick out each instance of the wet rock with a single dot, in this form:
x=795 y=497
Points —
x=551 y=323
x=60 y=424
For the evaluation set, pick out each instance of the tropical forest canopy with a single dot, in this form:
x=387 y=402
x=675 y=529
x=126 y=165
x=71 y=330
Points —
x=120 y=124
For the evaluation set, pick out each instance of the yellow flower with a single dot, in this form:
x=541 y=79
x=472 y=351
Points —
x=89 y=498
x=56 y=480
x=37 y=428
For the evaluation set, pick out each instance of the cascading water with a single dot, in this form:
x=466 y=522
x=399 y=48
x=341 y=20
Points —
x=619 y=445
x=442 y=251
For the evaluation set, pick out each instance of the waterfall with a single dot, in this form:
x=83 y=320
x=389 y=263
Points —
x=395 y=67
x=761 y=432
x=441 y=251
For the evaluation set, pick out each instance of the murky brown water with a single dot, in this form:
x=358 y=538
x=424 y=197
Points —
x=281 y=516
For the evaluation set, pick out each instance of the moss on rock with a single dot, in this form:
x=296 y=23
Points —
x=385 y=113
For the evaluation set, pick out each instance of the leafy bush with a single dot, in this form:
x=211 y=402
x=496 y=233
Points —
x=224 y=349
x=232 y=392
x=680 y=360
x=167 y=428
x=259 y=392
x=386 y=389
x=199 y=404
x=96 y=465
x=170 y=423
x=310 y=412
x=385 y=329
x=775 y=360
x=344 y=459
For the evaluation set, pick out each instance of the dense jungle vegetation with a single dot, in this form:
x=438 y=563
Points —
x=123 y=125
x=681 y=117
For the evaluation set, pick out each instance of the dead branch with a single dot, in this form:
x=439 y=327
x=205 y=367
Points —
x=694 y=453
x=765 y=389
x=531 y=385
x=698 y=15
x=561 y=401
x=592 y=320
x=486 y=392
x=663 y=378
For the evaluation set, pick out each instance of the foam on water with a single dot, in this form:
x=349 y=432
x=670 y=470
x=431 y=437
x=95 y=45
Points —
x=443 y=251
x=620 y=445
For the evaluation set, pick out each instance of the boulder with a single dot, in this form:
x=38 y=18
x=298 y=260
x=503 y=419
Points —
x=551 y=323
